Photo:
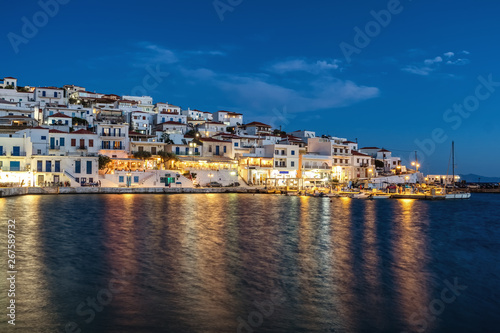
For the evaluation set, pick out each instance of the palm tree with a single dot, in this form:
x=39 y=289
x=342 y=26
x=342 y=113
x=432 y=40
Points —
x=167 y=158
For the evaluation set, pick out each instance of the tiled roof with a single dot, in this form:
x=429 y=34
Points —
x=256 y=123
x=59 y=115
x=82 y=131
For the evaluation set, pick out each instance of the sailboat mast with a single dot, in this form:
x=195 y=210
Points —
x=453 y=161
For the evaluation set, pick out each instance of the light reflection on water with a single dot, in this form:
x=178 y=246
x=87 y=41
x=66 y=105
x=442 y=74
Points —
x=197 y=263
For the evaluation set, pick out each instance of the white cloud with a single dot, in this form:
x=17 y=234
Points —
x=418 y=70
x=458 y=62
x=433 y=61
x=301 y=65
x=435 y=64
x=257 y=92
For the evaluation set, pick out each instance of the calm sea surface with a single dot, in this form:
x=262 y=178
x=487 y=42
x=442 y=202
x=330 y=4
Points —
x=252 y=263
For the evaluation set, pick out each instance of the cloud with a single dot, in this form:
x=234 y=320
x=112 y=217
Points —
x=212 y=53
x=418 y=70
x=156 y=54
x=433 y=61
x=301 y=65
x=458 y=62
x=258 y=92
x=432 y=65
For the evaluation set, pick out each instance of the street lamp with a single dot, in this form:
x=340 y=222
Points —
x=416 y=165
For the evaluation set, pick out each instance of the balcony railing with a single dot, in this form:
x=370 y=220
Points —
x=18 y=154
x=6 y=168
x=81 y=148
x=319 y=167
x=55 y=147
x=110 y=135
x=188 y=154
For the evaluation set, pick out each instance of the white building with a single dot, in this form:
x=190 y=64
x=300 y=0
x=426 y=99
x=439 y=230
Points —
x=9 y=81
x=229 y=118
x=114 y=139
x=141 y=121
x=165 y=107
x=50 y=95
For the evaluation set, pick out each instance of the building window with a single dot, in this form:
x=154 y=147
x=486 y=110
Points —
x=78 y=166
x=73 y=142
x=225 y=150
x=293 y=152
x=276 y=152
x=44 y=137
x=55 y=94
x=89 y=167
x=236 y=144
x=48 y=166
x=121 y=179
x=209 y=149
x=91 y=143
x=136 y=179
x=292 y=164
x=61 y=142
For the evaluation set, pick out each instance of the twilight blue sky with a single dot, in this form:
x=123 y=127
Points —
x=281 y=62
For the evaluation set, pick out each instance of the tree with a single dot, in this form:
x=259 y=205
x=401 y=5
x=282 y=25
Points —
x=22 y=89
x=379 y=164
x=9 y=87
x=167 y=158
x=165 y=137
x=79 y=121
x=143 y=155
x=278 y=132
x=191 y=132
x=104 y=161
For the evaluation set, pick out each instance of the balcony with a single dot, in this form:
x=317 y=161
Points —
x=8 y=169
x=15 y=154
x=319 y=167
x=81 y=148
x=55 y=147
x=110 y=135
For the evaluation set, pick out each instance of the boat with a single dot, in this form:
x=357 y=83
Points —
x=455 y=193
x=361 y=195
x=380 y=196
x=458 y=195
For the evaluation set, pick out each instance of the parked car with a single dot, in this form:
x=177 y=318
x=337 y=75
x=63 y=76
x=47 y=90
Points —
x=214 y=184
x=235 y=184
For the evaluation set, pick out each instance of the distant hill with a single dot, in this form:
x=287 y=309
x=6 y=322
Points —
x=473 y=178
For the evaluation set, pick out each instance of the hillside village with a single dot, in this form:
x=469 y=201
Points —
x=68 y=136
